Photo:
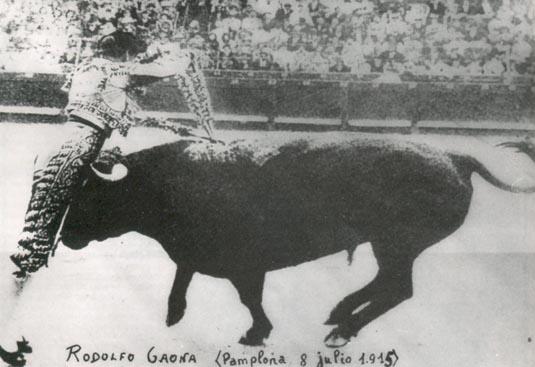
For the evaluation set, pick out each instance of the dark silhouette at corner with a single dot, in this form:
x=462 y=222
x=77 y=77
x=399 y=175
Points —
x=16 y=359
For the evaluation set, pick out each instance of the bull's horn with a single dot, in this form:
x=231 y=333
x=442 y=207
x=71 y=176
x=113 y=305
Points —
x=509 y=144
x=118 y=172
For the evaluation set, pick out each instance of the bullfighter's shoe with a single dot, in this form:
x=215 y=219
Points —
x=55 y=184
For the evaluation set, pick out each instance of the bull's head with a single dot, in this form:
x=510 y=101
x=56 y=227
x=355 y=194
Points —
x=93 y=213
x=113 y=202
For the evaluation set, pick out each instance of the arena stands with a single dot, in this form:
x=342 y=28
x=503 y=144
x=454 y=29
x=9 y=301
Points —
x=331 y=62
x=434 y=37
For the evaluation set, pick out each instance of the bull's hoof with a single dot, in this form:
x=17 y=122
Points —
x=173 y=318
x=252 y=341
x=337 y=338
x=334 y=320
x=255 y=337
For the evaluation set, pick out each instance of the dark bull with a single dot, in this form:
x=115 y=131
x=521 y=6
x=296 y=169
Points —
x=229 y=216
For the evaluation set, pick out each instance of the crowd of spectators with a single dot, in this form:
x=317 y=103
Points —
x=33 y=36
x=432 y=37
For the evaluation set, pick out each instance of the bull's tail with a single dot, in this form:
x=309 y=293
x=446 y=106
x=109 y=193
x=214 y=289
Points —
x=470 y=164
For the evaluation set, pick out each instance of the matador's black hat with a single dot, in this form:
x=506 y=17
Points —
x=118 y=43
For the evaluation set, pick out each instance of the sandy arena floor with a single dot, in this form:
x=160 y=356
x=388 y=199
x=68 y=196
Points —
x=473 y=305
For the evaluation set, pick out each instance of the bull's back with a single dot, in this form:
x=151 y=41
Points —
x=379 y=189
x=303 y=203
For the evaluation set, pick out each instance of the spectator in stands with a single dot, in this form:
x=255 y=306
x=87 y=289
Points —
x=242 y=58
x=334 y=16
x=472 y=7
x=232 y=22
x=521 y=55
x=346 y=27
x=494 y=65
x=282 y=57
x=488 y=10
x=362 y=67
x=266 y=9
x=319 y=61
x=212 y=42
x=219 y=9
x=301 y=15
x=282 y=16
x=71 y=53
x=227 y=60
x=435 y=31
x=339 y=66
x=438 y=8
x=450 y=26
x=196 y=41
x=376 y=65
x=316 y=10
x=455 y=67
x=473 y=67
x=321 y=25
x=377 y=28
x=265 y=62
x=391 y=57
x=250 y=21
x=4 y=40
x=395 y=24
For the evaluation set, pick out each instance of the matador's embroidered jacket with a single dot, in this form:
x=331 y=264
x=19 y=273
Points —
x=98 y=93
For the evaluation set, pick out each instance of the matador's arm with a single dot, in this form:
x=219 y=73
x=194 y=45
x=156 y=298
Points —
x=186 y=69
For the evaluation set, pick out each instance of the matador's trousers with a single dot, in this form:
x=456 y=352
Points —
x=56 y=180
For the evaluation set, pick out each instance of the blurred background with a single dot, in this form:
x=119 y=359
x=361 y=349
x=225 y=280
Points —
x=343 y=61
x=449 y=37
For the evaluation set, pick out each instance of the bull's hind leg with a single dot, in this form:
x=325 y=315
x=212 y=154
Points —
x=350 y=303
x=177 y=297
x=340 y=335
x=391 y=286
x=250 y=288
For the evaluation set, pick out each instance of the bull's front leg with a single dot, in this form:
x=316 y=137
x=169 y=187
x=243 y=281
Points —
x=250 y=288
x=177 y=297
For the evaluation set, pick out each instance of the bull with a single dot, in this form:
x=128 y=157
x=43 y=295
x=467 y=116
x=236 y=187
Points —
x=235 y=216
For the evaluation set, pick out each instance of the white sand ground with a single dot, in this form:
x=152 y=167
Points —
x=474 y=296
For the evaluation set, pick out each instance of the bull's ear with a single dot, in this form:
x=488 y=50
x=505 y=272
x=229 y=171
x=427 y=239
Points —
x=117 y=172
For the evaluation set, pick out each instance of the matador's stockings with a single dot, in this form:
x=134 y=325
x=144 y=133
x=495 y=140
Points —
x=55 y=182
x=193 y=87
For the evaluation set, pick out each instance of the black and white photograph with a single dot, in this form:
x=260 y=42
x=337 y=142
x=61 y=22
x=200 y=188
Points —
x=258 y=183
